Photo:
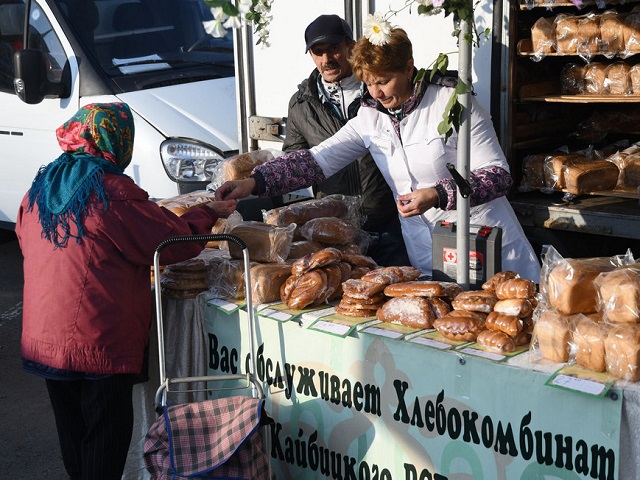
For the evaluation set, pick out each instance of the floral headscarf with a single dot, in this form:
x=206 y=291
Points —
x=97 y=139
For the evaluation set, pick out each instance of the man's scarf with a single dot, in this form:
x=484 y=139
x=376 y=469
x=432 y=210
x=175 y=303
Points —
x=98 y=139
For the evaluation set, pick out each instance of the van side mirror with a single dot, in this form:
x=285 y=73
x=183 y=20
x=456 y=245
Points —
x=30 y=81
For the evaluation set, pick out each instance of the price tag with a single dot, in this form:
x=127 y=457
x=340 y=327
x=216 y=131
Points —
x=223 y=305
x=275 y=314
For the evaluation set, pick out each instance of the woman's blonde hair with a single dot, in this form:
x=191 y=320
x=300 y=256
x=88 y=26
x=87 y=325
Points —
x=380 y=59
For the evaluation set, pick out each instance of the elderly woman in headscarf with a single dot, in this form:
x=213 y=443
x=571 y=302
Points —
x=88 y=235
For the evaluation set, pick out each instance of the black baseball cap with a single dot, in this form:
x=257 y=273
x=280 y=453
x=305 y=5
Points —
x=327 y=29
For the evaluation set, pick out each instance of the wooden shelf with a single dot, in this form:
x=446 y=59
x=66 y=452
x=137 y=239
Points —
x=528 y=5
x=584 y=98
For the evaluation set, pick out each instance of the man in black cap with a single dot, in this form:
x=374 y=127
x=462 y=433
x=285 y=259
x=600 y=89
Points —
x=323 y=103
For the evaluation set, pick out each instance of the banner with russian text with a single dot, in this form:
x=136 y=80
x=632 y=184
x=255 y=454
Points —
x=368 y=407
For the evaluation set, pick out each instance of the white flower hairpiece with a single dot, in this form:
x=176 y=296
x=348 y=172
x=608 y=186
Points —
x=377 y=30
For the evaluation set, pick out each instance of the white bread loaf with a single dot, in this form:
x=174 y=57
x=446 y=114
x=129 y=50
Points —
x=543 y=36
x=622 y=352
x=266 y=280
x=265 y=243
x=570 y=285
x=618 y=81
x=589 y=338
x=611 y=33
x=566 y=34
x=552 y=336
x=619 y=294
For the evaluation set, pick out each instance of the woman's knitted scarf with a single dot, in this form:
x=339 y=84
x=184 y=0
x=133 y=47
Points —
x=98 y=139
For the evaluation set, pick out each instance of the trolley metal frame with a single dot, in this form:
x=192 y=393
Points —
x=249 y=377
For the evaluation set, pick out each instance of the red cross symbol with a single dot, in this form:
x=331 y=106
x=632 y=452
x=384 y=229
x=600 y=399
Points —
x=450 y=255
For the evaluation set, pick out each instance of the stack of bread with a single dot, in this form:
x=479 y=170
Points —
x=314 y=279
x=608 y=33
x=591 y=315
x=510 y=323
x=417 y=303
x=184 y=279
x=364 y=296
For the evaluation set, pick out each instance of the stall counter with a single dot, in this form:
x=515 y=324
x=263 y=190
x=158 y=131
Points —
x=364 y=405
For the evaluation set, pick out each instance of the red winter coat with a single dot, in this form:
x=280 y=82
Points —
x=87 y=307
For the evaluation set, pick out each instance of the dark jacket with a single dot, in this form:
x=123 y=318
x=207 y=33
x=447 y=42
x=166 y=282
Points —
x=309 y=122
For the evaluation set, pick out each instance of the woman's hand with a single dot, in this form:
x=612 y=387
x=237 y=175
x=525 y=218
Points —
x=235 y=189
x=223 y=208
x=417 y=202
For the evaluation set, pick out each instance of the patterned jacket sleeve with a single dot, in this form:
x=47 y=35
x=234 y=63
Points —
x=287 y=173
x=486 y=185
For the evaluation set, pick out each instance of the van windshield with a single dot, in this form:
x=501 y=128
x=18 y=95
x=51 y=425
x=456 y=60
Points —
x=128 y=37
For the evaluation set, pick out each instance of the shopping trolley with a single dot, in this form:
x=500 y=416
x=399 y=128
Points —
x=216 y=438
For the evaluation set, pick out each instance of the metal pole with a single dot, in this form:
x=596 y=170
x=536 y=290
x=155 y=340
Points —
x=464 y=152
x=245 y=89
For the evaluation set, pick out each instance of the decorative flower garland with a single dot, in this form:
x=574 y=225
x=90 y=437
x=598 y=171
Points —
x=226 y=15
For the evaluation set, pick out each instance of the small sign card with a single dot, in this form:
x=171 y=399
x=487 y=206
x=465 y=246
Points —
x=578 y=379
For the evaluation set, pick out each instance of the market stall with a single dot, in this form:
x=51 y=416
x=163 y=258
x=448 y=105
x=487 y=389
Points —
x=376 y=372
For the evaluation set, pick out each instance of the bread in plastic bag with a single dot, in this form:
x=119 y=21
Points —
x=622 y=352
x=619 y=294
x=266 y=243
x=329 y=230
x=568 y=285
x=551 y=338
x=589 y=343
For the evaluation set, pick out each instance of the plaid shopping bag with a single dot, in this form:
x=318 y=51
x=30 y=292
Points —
x=213 y=439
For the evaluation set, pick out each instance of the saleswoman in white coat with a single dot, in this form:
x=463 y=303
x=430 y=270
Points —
x=398 y=124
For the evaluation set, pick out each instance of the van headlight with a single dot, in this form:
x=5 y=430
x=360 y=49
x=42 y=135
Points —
x=188 y=161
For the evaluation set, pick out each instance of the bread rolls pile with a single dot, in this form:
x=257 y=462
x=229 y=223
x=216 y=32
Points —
x=498 y=317
x=319 y=277
x=591 y=315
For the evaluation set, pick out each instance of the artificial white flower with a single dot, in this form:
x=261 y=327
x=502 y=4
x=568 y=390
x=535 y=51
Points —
x=214 y=27
x=234 y=21
x=377 y=30
x=244 y=6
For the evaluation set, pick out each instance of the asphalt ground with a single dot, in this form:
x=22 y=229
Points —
x=28 y=439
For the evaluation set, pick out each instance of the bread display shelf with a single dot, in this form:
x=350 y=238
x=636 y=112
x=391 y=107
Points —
x=525 y=49
x=628 y=193
x=528 y=5
x=550 y=92
x=584 y=98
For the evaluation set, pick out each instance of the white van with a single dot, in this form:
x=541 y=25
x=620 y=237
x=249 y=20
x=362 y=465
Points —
x=153 y=55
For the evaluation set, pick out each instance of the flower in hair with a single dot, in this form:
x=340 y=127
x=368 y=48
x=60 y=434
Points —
x=377 y=30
